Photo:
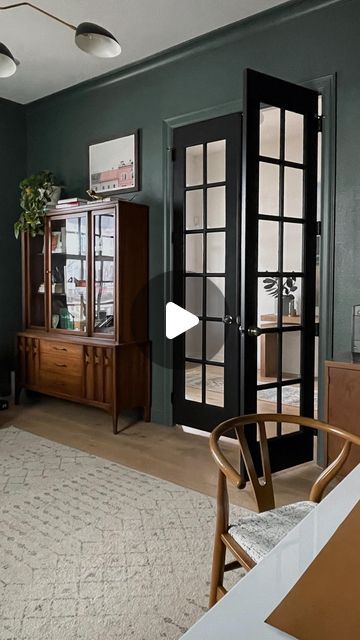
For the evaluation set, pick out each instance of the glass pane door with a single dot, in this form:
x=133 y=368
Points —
x=205 y=229
x=69 y=273
x=104 y=275
x=280 y=263
x=206 y=359
x=279 y=260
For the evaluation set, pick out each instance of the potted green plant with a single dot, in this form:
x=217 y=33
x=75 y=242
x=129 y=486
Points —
x=274 y=287
x=36 y=192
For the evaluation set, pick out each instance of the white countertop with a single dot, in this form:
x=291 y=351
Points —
x=241 y=613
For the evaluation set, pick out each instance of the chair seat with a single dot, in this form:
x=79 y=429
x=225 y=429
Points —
x=258 y=533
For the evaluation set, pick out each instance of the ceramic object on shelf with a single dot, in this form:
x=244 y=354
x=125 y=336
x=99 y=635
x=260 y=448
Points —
x=55 y=196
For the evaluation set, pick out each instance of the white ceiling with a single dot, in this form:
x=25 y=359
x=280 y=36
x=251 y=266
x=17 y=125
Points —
x=50 y=61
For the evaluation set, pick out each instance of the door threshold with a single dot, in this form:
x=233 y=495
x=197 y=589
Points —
x=205 y=434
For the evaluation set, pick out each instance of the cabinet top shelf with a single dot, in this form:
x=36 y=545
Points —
x=83 y=208
x=114 y=205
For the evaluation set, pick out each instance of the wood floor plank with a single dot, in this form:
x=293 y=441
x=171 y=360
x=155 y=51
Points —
x=165 y=452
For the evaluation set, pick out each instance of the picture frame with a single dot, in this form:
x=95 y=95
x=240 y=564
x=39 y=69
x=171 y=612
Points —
x=114 y=165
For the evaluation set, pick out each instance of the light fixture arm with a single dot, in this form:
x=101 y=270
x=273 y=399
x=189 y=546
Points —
x=46 y=13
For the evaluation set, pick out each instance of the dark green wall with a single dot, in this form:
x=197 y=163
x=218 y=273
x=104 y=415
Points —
x=12 y=170
x=297 y=42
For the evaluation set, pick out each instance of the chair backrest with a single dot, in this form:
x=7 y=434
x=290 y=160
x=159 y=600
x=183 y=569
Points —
x=263 y=486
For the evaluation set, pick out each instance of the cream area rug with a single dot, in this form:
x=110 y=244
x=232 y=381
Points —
x=92 y=550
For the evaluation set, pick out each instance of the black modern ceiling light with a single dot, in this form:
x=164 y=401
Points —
x=7 y=62
x=97 y=41
x=89 y=37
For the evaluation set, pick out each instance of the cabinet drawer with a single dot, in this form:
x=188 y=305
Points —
x=61 y=381
x=61 y=363
x=61 y=367
x=51 y=349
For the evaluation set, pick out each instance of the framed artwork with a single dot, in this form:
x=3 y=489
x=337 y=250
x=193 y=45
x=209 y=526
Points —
x=114 y=165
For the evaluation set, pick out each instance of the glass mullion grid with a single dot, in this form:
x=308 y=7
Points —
x=281 y=161
x=204 y=232
x=280 y=273
x=285 y=274
x=196 y=187
x=265 y=216
x=279 y=385
x=280 y=266
x=186 y=232
x=205 y=361
x=285 y=329
x=204 y=292
x=197 y=274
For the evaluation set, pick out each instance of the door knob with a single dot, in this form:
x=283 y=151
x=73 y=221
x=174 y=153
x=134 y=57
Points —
x=228 y=319
x=254 y=332
x=238 y=322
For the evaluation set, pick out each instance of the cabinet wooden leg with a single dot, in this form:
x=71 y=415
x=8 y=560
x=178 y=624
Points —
x=147 y=413
x=115 y=423
x=18 y=390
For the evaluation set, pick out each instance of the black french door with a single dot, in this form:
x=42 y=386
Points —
x=279 y=260
x=206 y=203
x=249 y=272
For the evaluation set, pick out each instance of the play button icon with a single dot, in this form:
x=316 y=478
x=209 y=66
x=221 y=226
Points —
x=178 y=320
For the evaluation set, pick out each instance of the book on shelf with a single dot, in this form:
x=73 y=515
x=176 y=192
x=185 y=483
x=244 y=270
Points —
x=70 y=202
x=109 y=199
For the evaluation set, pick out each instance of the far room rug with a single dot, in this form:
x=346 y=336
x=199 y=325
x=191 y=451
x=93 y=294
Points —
x=290 y=393
x=93 y=550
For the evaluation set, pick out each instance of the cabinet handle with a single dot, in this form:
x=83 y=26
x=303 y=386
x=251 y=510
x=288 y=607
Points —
x=60 y=349
x=87 y=358
x=97 y=359
x=59 y=365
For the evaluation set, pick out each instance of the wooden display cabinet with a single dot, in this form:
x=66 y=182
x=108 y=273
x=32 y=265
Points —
x=342 y=406
x=85 y=308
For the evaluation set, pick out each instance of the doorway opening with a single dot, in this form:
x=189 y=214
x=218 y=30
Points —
x=255 y=349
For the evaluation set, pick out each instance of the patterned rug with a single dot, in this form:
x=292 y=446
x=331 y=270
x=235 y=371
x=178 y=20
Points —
x=92 y=550
x=213 y=382
x=290 y=395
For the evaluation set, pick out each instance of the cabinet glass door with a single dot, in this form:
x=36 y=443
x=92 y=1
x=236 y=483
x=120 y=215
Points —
x=104 y=275
x=36 y=284
x=68 y=251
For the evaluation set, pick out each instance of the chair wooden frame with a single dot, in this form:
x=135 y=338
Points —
x=263 y=491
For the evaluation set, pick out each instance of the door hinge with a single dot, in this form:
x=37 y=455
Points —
x=173 y=154
x=317 y=329
x=318 y=228
x=320 y=120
